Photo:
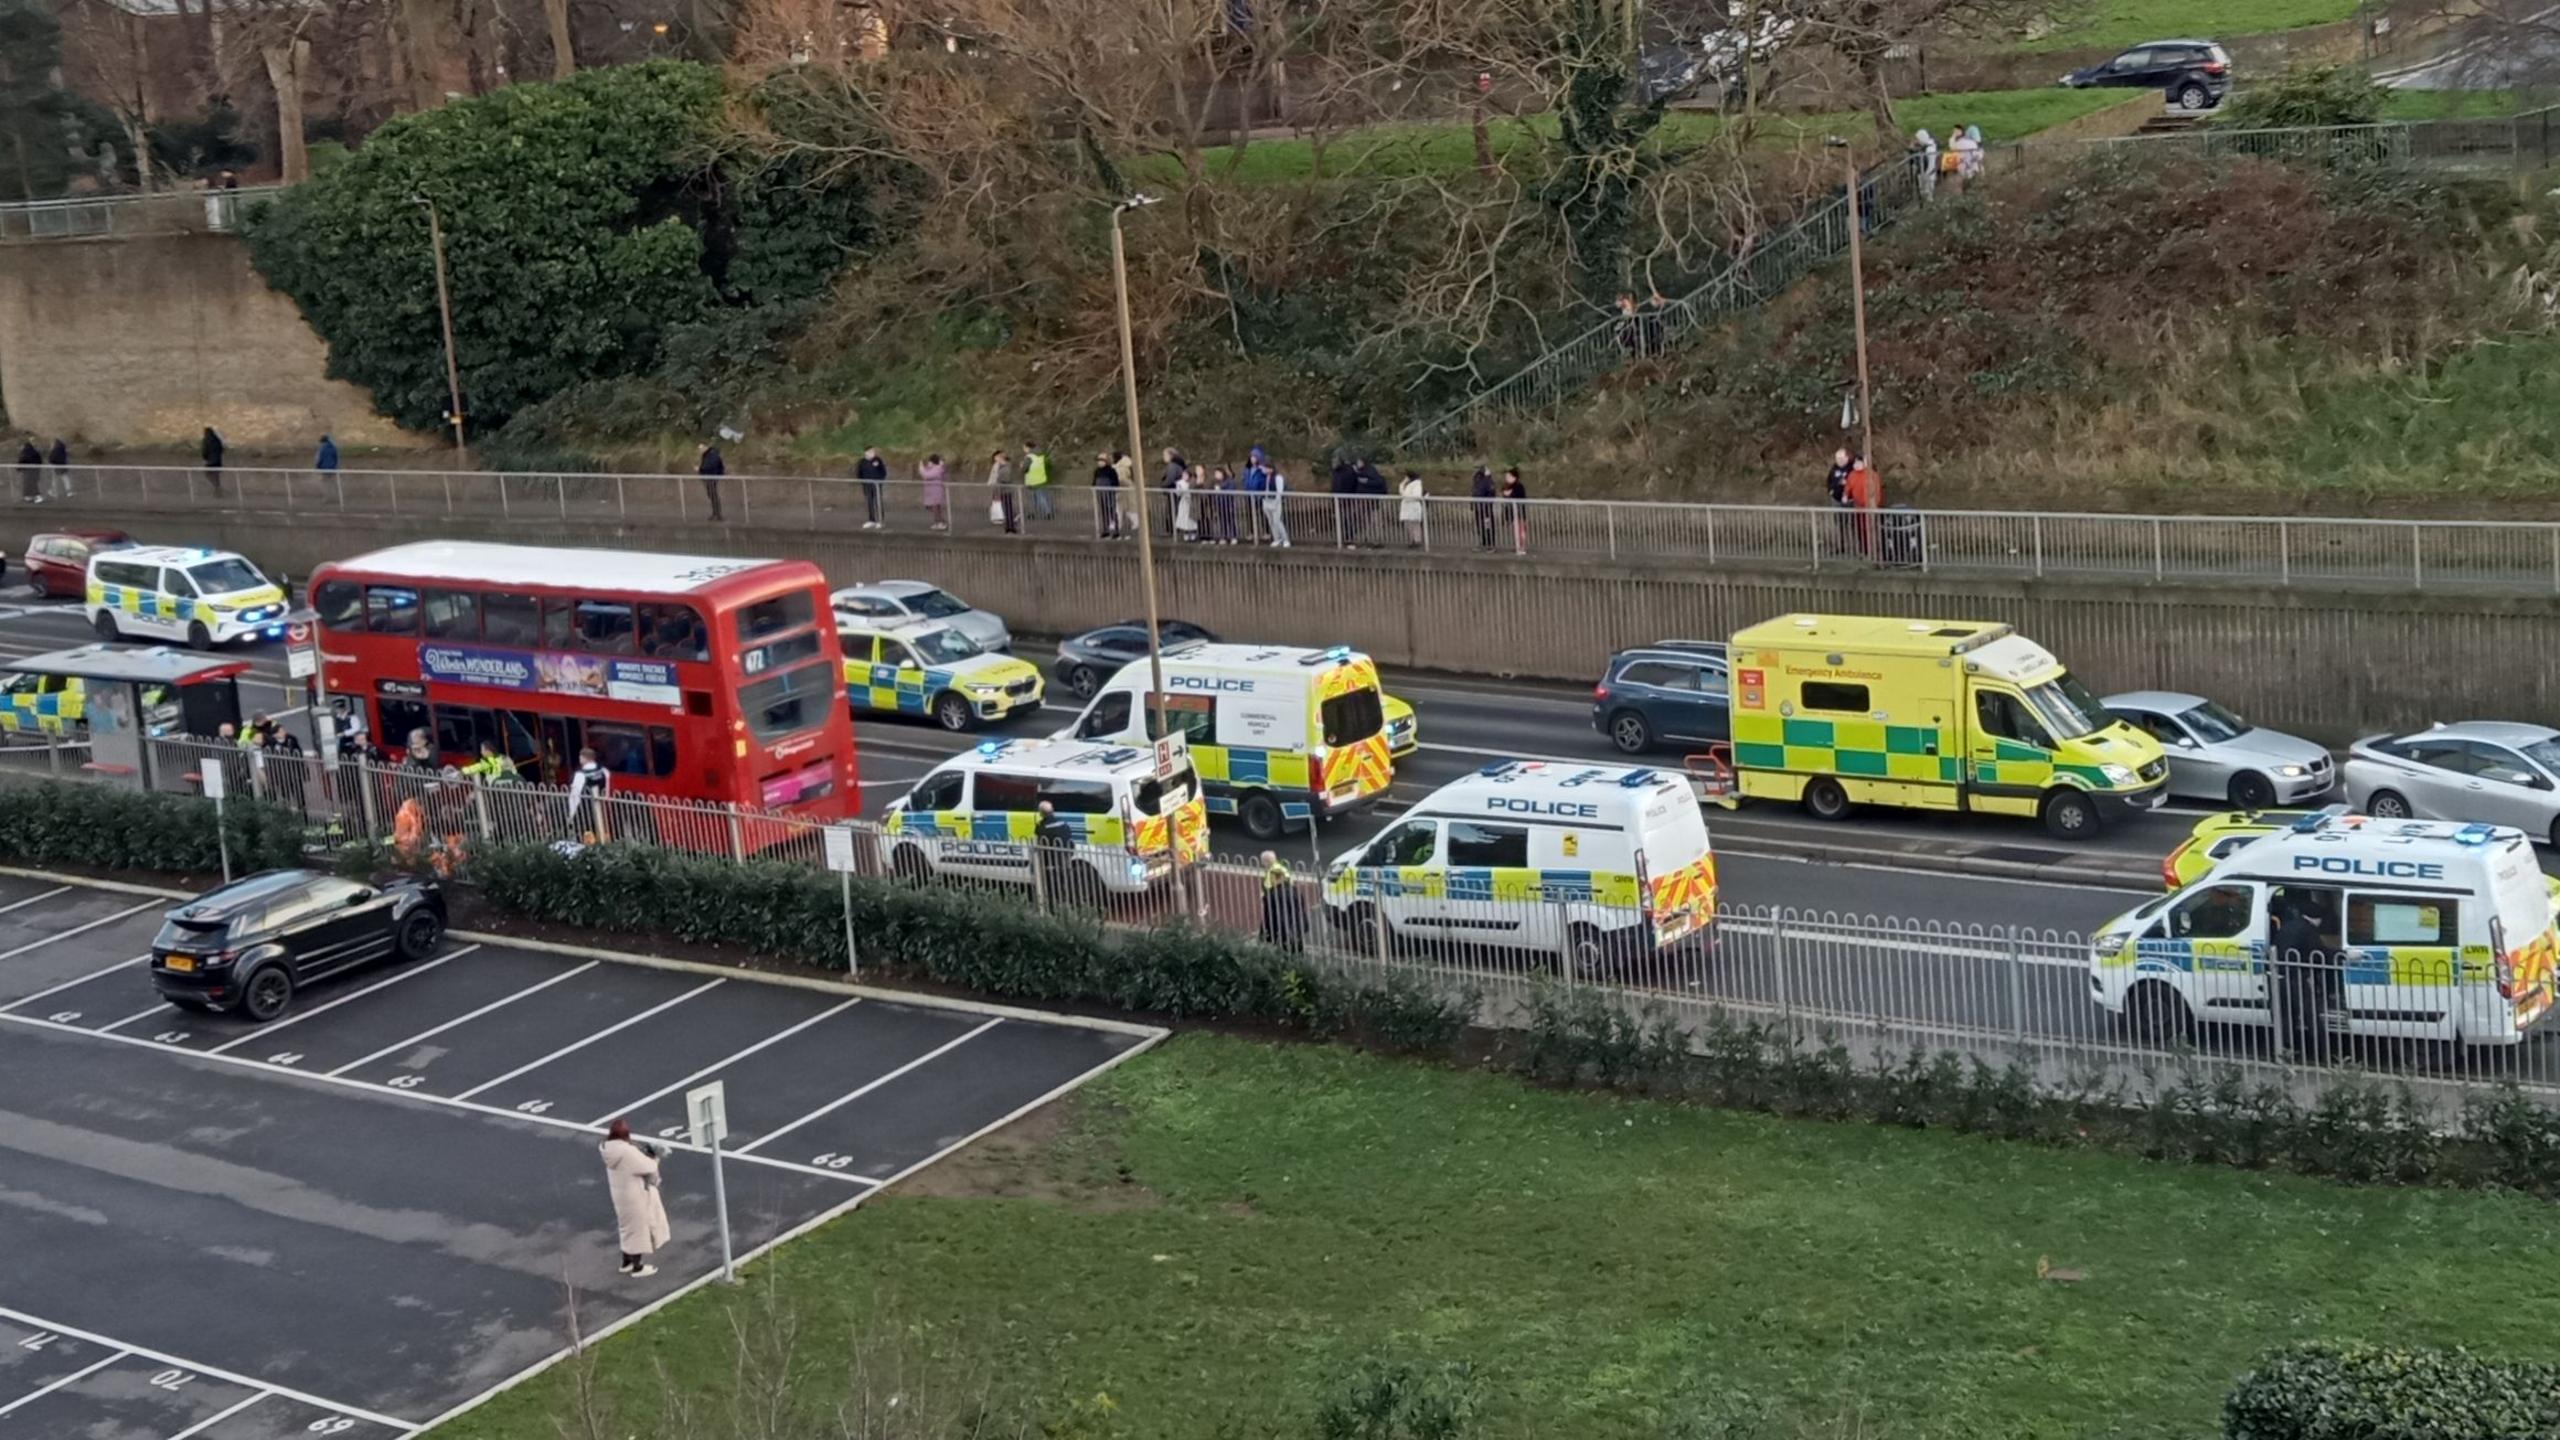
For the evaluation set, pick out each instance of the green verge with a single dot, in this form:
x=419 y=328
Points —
x=1608 y=1267
x=2130 y=22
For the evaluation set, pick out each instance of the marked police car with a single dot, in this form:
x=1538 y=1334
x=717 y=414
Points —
x=204 y=597
x=977 y=814
x=1599 y=864
x=2443 y=932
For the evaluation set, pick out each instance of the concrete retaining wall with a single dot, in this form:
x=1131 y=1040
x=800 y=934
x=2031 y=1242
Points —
x=2328 y=664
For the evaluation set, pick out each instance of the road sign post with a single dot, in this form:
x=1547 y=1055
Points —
x=840 y=859
x=706 y=1110
x=215 y=782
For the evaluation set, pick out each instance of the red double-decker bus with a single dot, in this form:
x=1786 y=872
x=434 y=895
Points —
x=692 y=677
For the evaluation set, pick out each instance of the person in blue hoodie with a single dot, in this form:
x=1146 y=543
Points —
x=1257 y=484
x=326 y=459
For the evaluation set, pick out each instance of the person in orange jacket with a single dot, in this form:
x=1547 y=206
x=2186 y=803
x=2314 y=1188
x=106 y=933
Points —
x=1865 y=496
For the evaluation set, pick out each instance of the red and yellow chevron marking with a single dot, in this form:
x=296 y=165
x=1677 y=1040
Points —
x=1685 y=899
x=1366 y=761
x=2533 y=968
x=1191 y=831
x=1357 y=673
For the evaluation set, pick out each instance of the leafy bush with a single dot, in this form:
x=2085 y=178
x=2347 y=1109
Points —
x=2306 y=94
x=1392 y=1400
x=111 y=828
x=2365 y=1392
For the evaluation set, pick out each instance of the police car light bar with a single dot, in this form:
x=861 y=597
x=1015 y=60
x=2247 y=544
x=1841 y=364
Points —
x=2474 y=834
x=2311 y=824
x=1496 y=769
x=992 y=748
x=1636 y=779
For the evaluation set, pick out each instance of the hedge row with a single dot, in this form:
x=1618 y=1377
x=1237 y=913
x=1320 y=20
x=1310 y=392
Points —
x=2365 y=1392
x=113 y=828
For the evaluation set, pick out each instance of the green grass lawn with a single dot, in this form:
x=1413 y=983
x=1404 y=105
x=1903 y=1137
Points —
x=2129 y=22
x=1224 y=1227
x=2459 y=104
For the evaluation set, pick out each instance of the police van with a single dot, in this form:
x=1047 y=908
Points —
x=977 y=815
x=162 y=592
x=925 y=667
x=1596 y=864
x=1279 y=736
x=2443 y=932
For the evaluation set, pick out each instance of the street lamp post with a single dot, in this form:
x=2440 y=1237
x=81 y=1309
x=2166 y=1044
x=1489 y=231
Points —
x=444 y=311
x=1858 y=297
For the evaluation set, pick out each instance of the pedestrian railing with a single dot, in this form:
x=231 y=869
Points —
x=162 y=213
x=2490 y=555
x=1878 y=985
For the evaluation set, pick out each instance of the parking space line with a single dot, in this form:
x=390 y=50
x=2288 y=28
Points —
x=70 y=984
x=30 y=900
x=498 y=1004
x=530 y=1117
x=721 y=1064
x=79 y=930
x=590 y=1040
x=137 y=1015
x=843 y=1100
x=296 y=1018
x=208 y=1423
x=122 y=1350
x=83 y=1373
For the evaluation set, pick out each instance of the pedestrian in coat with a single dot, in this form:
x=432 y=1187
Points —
x=937 y=494
x=1373 y=488
x=1284 y=914
x=639 y=1216
x=1175 y=467
x=873 y=472
x=1513 y=493
x=1346 y=502
x=1837 y=485
x=60 y=460
x=1411 y=509
x=1274 y=500
x=1035 y=479
x=1106 y=495
x=1257 y=485
x=711 y=467
x=30 y=472
x=1001 y=506
x=1186 y=526
x=1222 y=505
x=1481 y=489
x=325 y=459
x=210 y=450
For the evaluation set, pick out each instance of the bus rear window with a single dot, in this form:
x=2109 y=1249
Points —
x=772 y=617
x=789 y=703
x=1352 y=718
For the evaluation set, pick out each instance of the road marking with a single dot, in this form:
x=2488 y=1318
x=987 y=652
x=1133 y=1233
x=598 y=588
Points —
x=79 y=930
x=202 y=1426
x=722 y=1064
x=72 y=984
x=464 y=1019
x=843 y=1100
x=30 y=900
x=590 y=1040
x=82 y=1373
x=411 y=973
x=137 y=1015
x=217 y=1373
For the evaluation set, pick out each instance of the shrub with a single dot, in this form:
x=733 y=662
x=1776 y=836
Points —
x=1393 y=1400
x=2365 y=1392
x=2306 y=95
x=111 y=828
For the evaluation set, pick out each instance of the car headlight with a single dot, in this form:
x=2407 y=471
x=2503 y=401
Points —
x=2116 y=774
x=2110 y=942
x=1137 y=869
x=985 y=689
x=2290 y=772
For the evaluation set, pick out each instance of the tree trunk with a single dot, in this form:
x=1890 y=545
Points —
x=284 y=72
x=564 y=55
x=439 y=62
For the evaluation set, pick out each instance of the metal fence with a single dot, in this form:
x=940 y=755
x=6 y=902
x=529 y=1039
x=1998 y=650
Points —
x=2497 y=556
x=171 y=212
x=1878 y=986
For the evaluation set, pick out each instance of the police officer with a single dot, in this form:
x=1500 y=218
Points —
x=491 y=768
x=1052 y=842
x=2302 y=973
x=1283 y=915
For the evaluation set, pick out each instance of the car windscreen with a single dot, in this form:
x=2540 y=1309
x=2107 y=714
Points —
x=935 y=604
x=222 y=577
x=2211 y=724
x=2067 y=708
x=2545 y=753
x=938 y=647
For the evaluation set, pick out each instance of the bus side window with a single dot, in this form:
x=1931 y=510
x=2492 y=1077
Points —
x=391 y=610
x=341 y=605
x=399 y=716
x=461 y=728
x=662 y=750
x=1108 y=717
x=559 y=622
x=511 y=619
x=605 y=626
x=622 y=749
x=673 y=632
x=452 y=614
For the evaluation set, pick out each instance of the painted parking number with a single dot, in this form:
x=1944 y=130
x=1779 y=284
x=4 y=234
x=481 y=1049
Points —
x=170 y=1037
x=171 y=1379
x=63 y=1017
x=38 y=1340
x=329 y=1425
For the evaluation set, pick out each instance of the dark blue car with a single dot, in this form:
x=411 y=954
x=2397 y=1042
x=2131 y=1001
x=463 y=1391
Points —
x=1669 y=695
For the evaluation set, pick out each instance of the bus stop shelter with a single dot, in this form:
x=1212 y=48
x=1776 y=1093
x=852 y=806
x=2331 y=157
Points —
x=122 y=688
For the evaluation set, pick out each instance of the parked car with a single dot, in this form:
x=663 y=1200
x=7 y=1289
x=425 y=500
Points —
x=58 y=561
x=2215 y=755
x=1085 y=661
x=2486 y=771
x=253 y=944
x=2191 y=74
x=896 y=600
x=1671 y=692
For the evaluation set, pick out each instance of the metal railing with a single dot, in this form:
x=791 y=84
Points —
x=1877 y=985
x=2520 y=557
x=162 y=213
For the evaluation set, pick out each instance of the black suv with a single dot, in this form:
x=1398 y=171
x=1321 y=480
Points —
x=1672 y=691
x=2193 y=74
x=251 y=944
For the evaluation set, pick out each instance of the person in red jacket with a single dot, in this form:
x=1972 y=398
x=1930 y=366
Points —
x=1865 y=494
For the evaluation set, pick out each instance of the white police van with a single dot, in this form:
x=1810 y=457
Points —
x=1599 y=864
x=977 y=816
x=2445 y=932
x=166 y=592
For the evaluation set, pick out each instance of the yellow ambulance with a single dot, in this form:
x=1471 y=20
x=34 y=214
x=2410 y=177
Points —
x=1838 y=711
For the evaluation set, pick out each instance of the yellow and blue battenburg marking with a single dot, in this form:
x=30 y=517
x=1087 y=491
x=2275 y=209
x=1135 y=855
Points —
x=51 y=713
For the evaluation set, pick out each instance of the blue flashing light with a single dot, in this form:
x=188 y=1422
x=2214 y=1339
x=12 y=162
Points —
x=1636 y=779
x=992 y=748
x=2311 y=824
x=2474 y=834
x=1495 y=770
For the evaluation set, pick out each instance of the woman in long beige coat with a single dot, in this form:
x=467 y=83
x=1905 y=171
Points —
x=631 y=1173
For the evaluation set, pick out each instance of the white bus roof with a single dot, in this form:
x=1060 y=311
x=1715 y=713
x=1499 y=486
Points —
x=1227 y=655
x=1087 y=755
x=473 y=563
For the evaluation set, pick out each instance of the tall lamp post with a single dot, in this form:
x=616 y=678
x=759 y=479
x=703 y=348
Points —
x=1857 y=295
x=444 y=311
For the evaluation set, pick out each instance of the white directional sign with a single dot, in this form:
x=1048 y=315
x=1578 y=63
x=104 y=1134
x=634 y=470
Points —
x=840 y=849
x=706 y=1113
x=1173 y=755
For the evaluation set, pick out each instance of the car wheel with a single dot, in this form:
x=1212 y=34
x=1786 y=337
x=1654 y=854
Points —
x=1629 y=732
x=267 y=991
x=107 y=627
x=2388 y=805
x=1261 y=816
x=951 y=712
x=2070 y=815
x=1825 y=800
x=1357 y=924
x=2252 y=791
x=198 y=637
x=419 y=934
x=2158 y=1014
x=908 y=864
x=1083 y=680
x=2192 y=96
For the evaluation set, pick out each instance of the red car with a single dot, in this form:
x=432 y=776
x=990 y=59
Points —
x=58 y=563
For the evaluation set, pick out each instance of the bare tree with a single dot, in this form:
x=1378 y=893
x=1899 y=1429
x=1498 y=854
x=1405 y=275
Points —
x=1869 y=34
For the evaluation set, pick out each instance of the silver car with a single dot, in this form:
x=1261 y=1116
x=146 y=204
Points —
x=2215 y=755
x=896 y=601
x=2484 y=771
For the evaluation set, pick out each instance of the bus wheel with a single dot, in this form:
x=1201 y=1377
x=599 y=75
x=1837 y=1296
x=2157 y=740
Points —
x=952 y=712
x=2159 y=1014
x=1825 y=800
x=908 y=865
x=1261 y=816
x=2070 y=815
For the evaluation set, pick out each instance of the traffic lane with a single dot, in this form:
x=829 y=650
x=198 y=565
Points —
x=1862 y=892
x=29 y=626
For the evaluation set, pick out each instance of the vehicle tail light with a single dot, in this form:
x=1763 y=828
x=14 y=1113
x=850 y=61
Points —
x=2169 y=867
x=1600 y=692
x=2506 y=978
x=2215 y=67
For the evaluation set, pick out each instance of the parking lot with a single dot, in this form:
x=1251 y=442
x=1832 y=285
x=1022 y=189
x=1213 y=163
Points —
x=372 y=1211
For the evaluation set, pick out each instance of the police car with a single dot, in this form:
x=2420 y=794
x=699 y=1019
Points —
x=2445 y=932
x=977 y=816
x=1599 y=864
x=203 y=597
x=925 y=667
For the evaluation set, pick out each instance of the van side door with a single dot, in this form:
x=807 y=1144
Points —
x=1108 y=717
x=1492 y=886
x=2403 y=961
x=2008 y=755
x=2216 y=935
x=1401 y=871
